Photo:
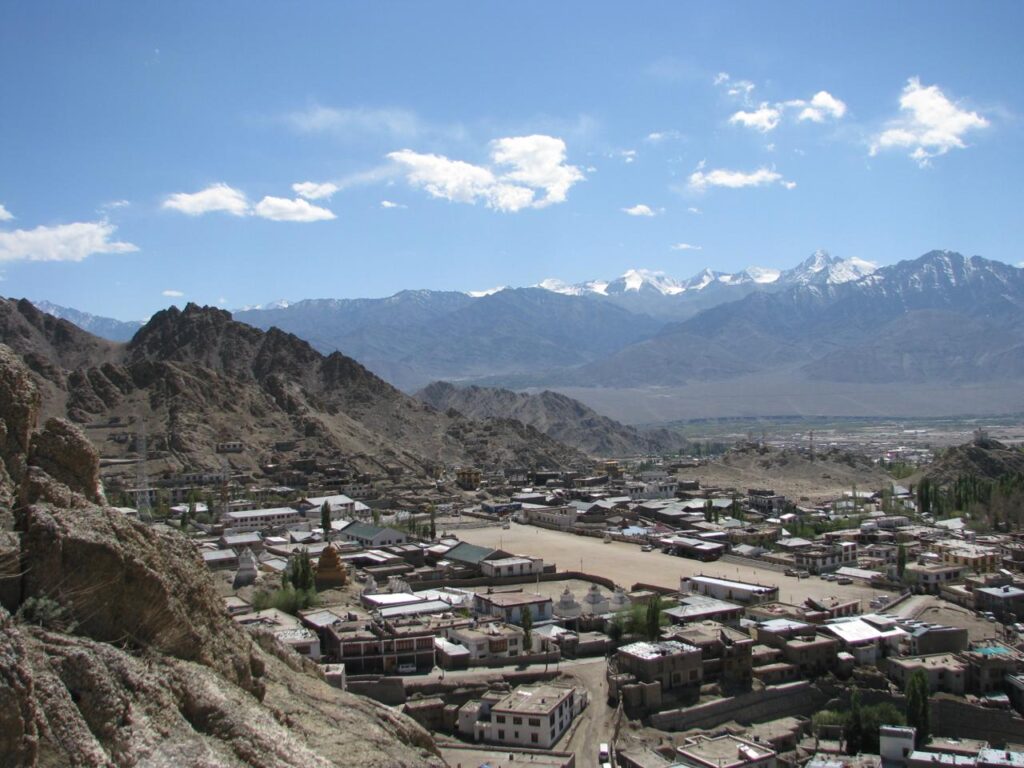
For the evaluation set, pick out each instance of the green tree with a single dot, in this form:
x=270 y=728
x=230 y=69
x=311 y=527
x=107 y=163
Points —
x=652 y=618
x=901 y=561
x=433 y=521
x=855 y=726
x=918 y=714
x=527 y=629
x=325 y=518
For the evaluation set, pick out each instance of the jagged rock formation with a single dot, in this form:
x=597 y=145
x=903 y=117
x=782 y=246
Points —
x=558 y=416
x=119 y=651
x=197 y=378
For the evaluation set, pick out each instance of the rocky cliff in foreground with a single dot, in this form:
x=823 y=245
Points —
x=115 y=649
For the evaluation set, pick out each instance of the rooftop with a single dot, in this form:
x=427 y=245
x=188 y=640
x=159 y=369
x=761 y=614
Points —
x=539 y=699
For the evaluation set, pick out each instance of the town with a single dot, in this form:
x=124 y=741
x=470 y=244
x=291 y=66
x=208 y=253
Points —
x=628 y=613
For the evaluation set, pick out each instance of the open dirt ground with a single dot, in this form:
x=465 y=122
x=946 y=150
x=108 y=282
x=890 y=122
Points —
x=626 y=565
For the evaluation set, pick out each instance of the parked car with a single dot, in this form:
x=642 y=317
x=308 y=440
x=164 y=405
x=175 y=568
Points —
x=646 y=547
x=844 y=580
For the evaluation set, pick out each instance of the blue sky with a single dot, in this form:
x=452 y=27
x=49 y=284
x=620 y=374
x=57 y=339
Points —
x=238 y=153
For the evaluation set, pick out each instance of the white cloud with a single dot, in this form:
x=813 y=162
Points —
x=283 y=209
x=398 y=123
x=764 y=118
x=721 y=177
x=524 y=167
x=822 y=105
x=64 y=242
x=695 y=211
x=628 y=155
x=216 y=197
x=721 y=78
x=172 y=294
x=390 y=204
x=789 y=184
x=931 y=125
x=312 y=190
x=115 y=204
x=686 y=247
x=5 y=215
x=639 y=210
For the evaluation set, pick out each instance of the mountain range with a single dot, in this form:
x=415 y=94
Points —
x=194 y=378
x=942 y=321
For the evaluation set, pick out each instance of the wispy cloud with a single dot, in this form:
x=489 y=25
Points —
x=721 y=177
x=172 y=294
x=694 y=210
x=347 y=121
x=525 y=172
x=216 y=197
x=640 y=210
x=5 y=215
x=930 y=125
x=389 y=204
x=64 y=242
x=823 y=105
x=658 y=136
x=686 y=247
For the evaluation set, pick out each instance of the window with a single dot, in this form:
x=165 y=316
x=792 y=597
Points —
x=500 y=718
x=535 y=722
x=534 y=738
x=501 y=735
x=517 y=721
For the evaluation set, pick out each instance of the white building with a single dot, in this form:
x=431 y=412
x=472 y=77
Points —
x=519 y=565
x=260 y=519
x=724 y=589
x=534 y=716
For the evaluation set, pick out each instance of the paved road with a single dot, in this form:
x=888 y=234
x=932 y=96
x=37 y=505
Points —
x=626 y=565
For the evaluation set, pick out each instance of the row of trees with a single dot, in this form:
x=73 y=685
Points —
x=991 y=504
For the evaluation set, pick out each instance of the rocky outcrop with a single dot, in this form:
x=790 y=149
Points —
x=119 y=651
x=67 y=456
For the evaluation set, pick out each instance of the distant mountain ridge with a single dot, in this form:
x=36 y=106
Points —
x=104 y=327
x=562 y=418
x=942 y=319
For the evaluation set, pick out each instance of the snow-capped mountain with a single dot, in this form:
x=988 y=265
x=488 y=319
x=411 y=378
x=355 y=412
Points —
x=819 y=268
x=106 y=327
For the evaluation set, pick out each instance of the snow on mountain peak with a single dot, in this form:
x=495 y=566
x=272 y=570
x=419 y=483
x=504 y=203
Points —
x=636 y=279
x=485 y=292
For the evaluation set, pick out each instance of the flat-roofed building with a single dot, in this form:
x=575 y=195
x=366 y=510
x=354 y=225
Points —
x=531 y=716
x=725 y=589
x=260 y=519
x=726 y=751
x=946 y=672
x=930 y=577
x=517 y=565
x=1001 y=601
x=489 y=641
x=510 y=606
x=673 y=664
x=695 y=607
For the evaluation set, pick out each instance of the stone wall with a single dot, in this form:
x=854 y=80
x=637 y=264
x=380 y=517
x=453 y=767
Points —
x=790 y=699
